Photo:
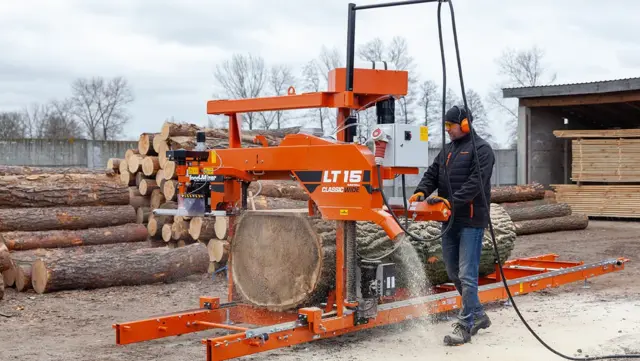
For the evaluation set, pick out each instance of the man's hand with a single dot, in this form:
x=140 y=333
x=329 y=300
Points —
x=416 y=197
x=436 y=200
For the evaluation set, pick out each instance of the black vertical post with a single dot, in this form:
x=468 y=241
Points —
x=351 y=41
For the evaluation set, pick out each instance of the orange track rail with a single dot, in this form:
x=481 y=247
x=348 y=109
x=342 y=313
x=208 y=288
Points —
x=275 y=330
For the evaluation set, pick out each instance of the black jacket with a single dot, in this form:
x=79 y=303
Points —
x=469 y=208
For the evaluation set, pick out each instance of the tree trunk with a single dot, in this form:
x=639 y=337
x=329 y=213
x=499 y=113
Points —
x=140 y=201
x=566 y=223
x=538 y=212
x=536 y=202
x=279 y=189
x=262 y=202
x=103 y=269
x=6 y=170
x=20 y=241
x=265 y=242
x=51 y=190
x=518 y=193
x=50 y=218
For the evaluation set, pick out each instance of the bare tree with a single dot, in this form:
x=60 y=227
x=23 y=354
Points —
x=280 y=79
x=480 y=119
x=12 y=126
x=100 y=105
x=518 y=68
x=396 y=54
x=242 y=77
x=315 y=78
x=59 y=121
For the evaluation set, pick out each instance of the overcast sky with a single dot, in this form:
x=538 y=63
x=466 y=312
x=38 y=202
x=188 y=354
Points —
x=168 y=49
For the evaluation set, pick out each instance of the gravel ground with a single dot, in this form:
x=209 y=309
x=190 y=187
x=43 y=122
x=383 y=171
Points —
x=601 y=319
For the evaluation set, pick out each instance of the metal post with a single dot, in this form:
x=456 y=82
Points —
x=351 y=41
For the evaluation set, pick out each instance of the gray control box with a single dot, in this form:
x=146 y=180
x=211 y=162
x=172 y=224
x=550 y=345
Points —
x=408 y=145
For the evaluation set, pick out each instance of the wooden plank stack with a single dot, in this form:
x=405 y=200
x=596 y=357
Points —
x=152 y=182
x=606 y=172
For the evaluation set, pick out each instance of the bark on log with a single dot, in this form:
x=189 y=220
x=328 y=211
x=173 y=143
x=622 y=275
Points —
x=20 y=241
x=262 y=202
x=538 y=212
x=6 y=170
x=142 y=215
x=50 y=190
x=172 y=129
x=5 y=256
x=157 y=198
x=140 y=201
x=69 y=218
x=9 y=275
x=261 y=245
x=567 y=223
x=518 y=193
x=537 y=202
x=103 y=269
x=1 y=288
x=279 y=189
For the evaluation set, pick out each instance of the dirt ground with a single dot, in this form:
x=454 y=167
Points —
x=602 y=319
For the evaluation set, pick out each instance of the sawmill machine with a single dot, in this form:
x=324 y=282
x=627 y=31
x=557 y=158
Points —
x=344 y=178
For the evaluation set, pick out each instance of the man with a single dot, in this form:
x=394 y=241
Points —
x=462 y=244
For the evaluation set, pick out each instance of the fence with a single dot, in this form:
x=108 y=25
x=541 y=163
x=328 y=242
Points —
x=504 y=172
x=62 y=152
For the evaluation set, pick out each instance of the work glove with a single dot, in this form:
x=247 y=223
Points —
x=436 y=200
x=418 y=196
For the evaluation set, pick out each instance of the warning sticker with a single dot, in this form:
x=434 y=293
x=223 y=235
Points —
x=424 y=134
x=344 y=212
x=193 y=170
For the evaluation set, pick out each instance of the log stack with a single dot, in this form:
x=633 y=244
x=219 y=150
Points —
x=604 y=172
x=152 y=182
x=47 y=208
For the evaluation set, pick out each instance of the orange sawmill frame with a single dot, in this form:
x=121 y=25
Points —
x=282 y=329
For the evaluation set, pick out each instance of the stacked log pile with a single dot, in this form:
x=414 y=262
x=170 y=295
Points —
x=152 y=182
x=604 y=172
x=68 y=228
x=534 y=210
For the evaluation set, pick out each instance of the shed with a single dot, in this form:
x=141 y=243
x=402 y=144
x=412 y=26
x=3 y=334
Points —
x=579 y=135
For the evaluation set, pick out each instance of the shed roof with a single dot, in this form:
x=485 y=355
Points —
x=596 y=87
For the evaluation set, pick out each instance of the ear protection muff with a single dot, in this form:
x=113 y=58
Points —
x=464 y=123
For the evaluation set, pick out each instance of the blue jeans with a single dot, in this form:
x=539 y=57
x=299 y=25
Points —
x=461 y=249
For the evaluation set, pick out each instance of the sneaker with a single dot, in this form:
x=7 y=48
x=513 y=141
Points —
x=480 y=323
x=459 y=336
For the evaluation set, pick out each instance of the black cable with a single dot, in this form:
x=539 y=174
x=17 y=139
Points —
x=488 y=204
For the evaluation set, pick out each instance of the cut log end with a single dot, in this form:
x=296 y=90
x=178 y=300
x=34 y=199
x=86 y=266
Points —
x=39 y=276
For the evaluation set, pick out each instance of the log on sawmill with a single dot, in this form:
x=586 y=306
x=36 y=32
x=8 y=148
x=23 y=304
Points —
x=294 y=254
x=51 y=190
x=279 y=189
x=20 y=241
x=69 y=218
x=527 y=213
x=101 y=269
x=519 y=193
x=571 y=222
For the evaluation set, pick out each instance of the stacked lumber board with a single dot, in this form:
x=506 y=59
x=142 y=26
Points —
x=153 y=183
x=605 y=171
